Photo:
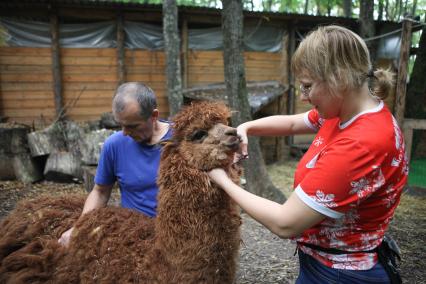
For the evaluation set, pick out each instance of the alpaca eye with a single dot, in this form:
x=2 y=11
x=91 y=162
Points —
x=198 y=135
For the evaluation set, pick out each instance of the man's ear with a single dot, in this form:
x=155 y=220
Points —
x=155 y=114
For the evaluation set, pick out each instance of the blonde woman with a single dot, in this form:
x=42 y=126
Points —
x=349 y=182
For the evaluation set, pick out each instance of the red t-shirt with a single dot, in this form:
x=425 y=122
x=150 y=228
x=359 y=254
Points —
x=353 y=173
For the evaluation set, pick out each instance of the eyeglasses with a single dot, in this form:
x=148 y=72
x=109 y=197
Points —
x=305 y=89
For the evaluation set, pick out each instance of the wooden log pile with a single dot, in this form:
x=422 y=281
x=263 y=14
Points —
x=15 y=158
x=63 y=152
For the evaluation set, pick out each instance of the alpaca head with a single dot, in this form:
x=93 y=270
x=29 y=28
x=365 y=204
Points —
x=204 y=138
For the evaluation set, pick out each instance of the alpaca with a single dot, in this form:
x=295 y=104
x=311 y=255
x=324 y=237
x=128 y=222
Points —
x=194 y=238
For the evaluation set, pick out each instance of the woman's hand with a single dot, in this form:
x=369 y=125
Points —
x=218 y=176
x=242 y=133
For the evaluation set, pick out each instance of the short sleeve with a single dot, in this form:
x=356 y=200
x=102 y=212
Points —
x=105 y=170
x=313 y=120
x=341 y=177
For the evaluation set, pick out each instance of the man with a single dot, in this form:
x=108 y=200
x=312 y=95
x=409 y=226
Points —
x=130 y=156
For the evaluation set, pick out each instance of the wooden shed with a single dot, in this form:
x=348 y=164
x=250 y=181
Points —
x=36 y=83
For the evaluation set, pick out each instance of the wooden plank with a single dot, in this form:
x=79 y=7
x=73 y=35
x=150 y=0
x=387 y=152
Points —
x=145 y=62
x=147 y=78
x=91 y=69
x=25 y=60
x=414 y=123
x=401 y=84
x=39 y=51
x=27 y=95
x=151 y=54
x=8 y=69
x=23 y=86
x=32 y=77
x=28 y=104
x=248 y=55
x=89 y=94
x=101 y=77
x=256 y=67
x=85 y=61
x=217 y=62
x=88 y=52
x=34 y=112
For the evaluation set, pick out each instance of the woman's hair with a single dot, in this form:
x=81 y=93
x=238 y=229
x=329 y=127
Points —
x=339 y=58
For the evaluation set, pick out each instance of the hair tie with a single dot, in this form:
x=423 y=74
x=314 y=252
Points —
x=370 y=74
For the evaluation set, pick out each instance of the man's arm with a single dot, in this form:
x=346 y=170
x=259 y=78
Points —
x=97 y=198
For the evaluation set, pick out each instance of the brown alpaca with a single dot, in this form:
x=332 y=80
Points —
x=194 y=239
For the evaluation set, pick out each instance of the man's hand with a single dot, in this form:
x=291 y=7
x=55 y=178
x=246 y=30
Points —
x=65 y=237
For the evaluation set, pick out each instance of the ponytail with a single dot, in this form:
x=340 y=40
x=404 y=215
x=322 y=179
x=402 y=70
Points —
x=382 y=83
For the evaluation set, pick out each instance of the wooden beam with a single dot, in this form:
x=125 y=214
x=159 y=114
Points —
x=56 y=64
x=121 y=69
x=408 y=126
x=401 y=84
x=184 y=53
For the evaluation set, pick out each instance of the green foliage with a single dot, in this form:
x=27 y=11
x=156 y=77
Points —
x=392 y=10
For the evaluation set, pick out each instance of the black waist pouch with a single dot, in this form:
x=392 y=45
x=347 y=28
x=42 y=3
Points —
x=388 y=253
x=389 y=257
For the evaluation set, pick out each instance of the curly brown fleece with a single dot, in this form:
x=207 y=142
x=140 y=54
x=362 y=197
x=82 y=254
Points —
x=194 y=239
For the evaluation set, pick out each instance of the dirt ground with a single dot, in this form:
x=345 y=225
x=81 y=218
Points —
x=264 y=258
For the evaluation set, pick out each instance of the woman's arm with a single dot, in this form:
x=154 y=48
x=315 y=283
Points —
x=277 y=125
x=285 y=220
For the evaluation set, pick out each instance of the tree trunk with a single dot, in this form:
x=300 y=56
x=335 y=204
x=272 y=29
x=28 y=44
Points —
x=171 y=45
x=380 y=12
x=367 y=27
x=347 y=8
x=56 y=66
x=257 y=177
x=121 y=69
x=413 y=8
x=416 y=92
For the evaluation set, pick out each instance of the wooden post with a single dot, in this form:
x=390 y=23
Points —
x=401 y=84
x=185 y=53
x=291 y=80
x=121 y=69
x=56 y=64
x=408 y=126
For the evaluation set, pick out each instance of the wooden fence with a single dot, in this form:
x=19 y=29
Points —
x=91 y=76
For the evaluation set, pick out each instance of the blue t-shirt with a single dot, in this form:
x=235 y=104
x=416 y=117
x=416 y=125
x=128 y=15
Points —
x=135 y=166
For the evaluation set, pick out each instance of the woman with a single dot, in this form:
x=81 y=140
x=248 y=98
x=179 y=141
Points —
x=349 y=182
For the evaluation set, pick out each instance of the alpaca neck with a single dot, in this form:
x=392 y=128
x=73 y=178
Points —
x=198 y=235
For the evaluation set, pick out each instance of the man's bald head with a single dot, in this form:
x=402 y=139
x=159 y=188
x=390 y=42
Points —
x=135 y=92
